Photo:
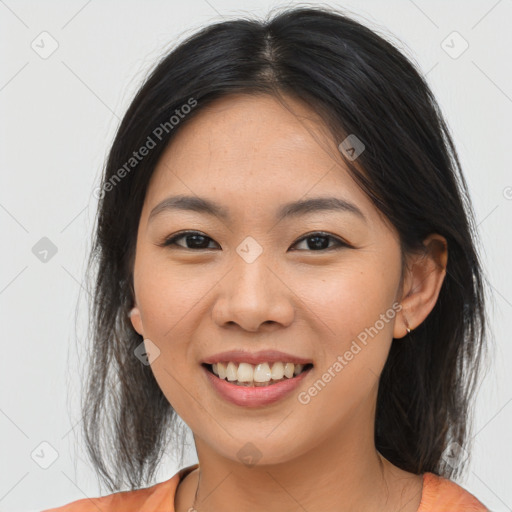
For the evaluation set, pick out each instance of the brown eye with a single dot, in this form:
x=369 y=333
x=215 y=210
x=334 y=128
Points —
x=315 y=242
x=319 y=241
x=193 y=240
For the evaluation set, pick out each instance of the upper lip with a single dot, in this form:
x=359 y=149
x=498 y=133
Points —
x=263 y=356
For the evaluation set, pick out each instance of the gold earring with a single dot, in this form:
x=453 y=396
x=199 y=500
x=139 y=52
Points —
x=407 y=325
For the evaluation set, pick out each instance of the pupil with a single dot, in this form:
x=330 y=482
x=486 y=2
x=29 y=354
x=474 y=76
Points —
x=319 y=245
x=196 y=237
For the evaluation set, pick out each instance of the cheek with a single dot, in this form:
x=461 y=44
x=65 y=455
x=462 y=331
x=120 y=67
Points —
x=353 y=344
x=168 y=296
x=169 y=302
x=354 y=310
x=348 y=299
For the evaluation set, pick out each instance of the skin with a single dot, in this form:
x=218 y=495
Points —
x=251 y=155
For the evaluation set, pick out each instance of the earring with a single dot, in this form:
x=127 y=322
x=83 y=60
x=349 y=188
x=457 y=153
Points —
x=407 y=325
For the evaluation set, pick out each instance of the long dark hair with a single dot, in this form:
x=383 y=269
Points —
x=360 y=84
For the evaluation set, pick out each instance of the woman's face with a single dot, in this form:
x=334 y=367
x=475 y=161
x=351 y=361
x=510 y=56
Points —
x=251 y=282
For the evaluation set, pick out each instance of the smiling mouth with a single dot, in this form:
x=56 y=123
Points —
x=248 y=375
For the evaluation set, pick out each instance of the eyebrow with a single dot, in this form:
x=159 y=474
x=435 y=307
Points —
x=293 y=209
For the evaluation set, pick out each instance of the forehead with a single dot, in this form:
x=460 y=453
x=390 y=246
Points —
x=246 y=150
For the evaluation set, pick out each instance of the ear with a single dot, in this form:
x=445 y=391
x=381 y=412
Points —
x=424 y=276
x=136 y=320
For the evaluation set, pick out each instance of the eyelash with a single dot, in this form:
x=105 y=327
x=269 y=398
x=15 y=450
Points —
x=170 y=241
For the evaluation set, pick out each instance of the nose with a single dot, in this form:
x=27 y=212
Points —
x=253 y=296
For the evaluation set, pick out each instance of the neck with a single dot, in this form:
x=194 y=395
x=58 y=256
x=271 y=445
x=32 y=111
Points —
x=334 y=475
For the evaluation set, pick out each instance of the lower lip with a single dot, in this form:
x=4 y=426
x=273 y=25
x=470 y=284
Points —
x=247 y=396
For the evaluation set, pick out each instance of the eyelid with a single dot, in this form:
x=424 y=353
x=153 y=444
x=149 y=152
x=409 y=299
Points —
x=171 y=240
x=339 y=241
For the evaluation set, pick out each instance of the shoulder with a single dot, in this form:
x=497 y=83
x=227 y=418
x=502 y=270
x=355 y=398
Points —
x=157 y=498
x=441 y=494
x=128 y=501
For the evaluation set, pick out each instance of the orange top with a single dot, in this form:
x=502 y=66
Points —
x=439 y=495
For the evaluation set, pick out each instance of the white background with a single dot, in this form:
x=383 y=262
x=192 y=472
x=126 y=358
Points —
x=58 y=116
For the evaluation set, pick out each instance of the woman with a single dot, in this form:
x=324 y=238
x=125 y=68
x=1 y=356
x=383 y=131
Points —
x=286 y=260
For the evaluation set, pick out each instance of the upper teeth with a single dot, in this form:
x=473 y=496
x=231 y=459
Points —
x=245 y=372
